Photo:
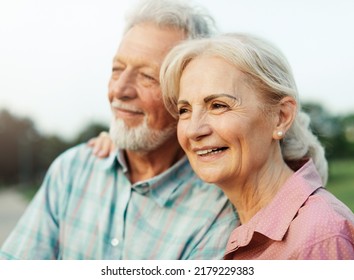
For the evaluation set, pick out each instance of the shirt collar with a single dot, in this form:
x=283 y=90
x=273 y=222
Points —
x=274 y=220
x=161 y=186
x=110 y=161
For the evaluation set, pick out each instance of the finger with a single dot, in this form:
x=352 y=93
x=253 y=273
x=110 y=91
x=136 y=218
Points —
x=92 y=142
x=106 y=148
x=97 y=142
x=103 y=134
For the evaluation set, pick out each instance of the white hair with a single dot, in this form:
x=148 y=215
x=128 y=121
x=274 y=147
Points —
x=194 y=20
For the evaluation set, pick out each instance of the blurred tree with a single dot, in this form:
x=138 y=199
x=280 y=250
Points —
x=25 y=155
x=18 y=136
x=90 y=131
x=327 y=128
x=344 y=144
x=46 y=150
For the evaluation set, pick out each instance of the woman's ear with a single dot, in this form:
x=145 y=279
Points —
x=287 y=113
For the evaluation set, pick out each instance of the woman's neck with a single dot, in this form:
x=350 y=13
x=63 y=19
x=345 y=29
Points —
x=256 y=192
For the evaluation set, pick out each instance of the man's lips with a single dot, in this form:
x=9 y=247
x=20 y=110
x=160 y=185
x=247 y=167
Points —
x=125 y=109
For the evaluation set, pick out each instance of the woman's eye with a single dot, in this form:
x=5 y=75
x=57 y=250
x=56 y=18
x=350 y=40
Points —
x=219 y=106
x=182 y=111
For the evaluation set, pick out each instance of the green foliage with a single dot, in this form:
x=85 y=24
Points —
x=341 y=180
x=336 y=133
x=89 y=132
x=18 y=141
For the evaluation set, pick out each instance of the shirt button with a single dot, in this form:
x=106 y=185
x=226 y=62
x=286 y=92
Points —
x=114 y=242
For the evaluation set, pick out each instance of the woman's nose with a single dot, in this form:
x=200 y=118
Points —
x=198 y=127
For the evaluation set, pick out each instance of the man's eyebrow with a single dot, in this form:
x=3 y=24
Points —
x=139 y=62
x=213 y=96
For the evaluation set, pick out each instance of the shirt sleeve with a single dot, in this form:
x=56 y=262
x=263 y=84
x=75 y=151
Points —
x=36 y=235
x=333 y=248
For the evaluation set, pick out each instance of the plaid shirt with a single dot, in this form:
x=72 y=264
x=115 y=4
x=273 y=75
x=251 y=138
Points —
x=88 y=209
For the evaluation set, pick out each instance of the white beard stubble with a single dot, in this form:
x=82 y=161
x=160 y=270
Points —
x=140 y=138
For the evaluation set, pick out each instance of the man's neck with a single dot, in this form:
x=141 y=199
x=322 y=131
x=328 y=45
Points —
x=145 y=165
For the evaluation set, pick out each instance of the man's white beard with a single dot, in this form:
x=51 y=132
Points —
x=140 y=138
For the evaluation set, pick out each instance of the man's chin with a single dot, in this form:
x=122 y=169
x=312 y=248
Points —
x=138 y=138
x=128 y=123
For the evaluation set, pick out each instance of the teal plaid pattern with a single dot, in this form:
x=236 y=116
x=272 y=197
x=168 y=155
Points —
x=87 y=208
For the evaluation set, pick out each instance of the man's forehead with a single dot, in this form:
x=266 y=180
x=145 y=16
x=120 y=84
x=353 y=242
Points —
x=138 y=62
x=149 y=42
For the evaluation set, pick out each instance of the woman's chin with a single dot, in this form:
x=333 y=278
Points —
x=208 y=177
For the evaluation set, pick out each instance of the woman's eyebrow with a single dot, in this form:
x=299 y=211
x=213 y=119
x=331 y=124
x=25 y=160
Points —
x=213 y=96
x=182 y=102
x=209 y=98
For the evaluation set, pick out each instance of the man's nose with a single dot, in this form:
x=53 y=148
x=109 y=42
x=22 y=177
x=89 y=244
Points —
x=123 y=87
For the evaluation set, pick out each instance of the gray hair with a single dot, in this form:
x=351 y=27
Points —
x=267 y=69
x=194 y=20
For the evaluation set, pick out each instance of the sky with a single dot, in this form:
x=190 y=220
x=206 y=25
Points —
x=55 y=56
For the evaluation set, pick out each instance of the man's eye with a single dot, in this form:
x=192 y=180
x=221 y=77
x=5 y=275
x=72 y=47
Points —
x=117 y=69
x=146 y=76
x=116 y=72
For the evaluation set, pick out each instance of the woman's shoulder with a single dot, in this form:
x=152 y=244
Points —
x=323 y=216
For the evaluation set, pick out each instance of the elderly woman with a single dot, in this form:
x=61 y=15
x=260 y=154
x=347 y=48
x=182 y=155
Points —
x=240 y=124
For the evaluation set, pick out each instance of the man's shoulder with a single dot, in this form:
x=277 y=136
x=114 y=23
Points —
x=80 y=151
x=79 y=156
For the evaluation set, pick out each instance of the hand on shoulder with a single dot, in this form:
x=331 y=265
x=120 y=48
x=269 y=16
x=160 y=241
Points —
x=102 y=145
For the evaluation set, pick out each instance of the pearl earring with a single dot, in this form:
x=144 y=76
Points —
x=280 y=133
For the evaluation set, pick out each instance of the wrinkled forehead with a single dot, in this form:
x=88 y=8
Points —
x=149 y=41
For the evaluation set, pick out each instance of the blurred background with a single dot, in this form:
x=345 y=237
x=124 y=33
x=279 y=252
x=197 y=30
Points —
x=55 y=62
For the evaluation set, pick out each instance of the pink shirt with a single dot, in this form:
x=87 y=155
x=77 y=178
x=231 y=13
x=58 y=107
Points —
x=303 y=221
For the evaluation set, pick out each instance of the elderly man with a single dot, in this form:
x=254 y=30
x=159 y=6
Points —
x=143 y=201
